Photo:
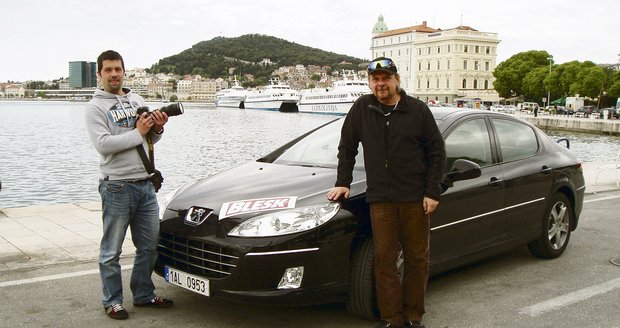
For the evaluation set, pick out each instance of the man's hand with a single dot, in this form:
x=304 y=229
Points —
x=429 y=205
x=336 y=192
x=159 y=119
x=144 y=123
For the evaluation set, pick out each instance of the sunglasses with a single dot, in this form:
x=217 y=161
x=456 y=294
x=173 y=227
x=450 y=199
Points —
x=382 y=63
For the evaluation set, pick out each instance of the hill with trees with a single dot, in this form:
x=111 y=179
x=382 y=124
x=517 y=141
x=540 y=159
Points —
x=215 y=57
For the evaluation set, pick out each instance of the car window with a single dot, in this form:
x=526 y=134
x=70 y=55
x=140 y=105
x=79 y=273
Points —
x=470 y=140
x=516 y=140
x=319 y=148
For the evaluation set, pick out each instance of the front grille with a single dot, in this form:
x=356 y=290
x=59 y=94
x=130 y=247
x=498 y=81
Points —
x=196 y=256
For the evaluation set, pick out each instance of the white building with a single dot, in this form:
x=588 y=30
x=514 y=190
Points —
x=436 y=64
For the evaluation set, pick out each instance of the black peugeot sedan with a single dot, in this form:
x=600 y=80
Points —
x=264 y=231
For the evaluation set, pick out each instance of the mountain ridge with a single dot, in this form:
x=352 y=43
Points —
x=214 y=58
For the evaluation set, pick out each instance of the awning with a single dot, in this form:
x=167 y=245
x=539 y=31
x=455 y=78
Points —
x=560 y=101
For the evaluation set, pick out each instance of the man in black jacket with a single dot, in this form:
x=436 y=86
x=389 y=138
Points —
x=404 y=161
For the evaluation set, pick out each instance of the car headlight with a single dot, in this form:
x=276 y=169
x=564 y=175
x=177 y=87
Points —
x=287 y=221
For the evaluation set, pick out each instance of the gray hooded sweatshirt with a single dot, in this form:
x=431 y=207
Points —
x=110 y=122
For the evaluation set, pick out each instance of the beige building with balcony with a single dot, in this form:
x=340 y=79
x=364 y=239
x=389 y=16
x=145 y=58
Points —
x=443 y=65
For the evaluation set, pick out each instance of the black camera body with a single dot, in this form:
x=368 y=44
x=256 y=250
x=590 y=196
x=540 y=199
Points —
x=172 y=110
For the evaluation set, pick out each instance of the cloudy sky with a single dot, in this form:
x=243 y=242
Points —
x=40 y=37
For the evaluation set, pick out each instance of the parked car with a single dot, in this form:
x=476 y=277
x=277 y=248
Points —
x=264 y=231
x=561 y=110
x=586 y=111
x=497 y=108
x=510 y=109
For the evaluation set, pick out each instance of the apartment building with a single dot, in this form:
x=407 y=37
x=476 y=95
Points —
x=441 y=65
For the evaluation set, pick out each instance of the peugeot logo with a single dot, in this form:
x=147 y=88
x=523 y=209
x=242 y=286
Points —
x=197 y=215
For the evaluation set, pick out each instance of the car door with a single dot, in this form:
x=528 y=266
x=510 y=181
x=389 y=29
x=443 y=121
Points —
x=527 y=178
x=462 y=224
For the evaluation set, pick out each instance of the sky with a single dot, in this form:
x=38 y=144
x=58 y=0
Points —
x=40 y=37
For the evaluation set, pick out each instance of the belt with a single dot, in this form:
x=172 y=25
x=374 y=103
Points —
x=129 y=180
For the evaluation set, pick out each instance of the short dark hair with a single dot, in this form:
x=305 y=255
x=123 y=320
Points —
x=109 y=55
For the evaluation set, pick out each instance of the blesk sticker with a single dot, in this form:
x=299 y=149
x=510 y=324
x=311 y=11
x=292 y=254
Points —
x=256 y=205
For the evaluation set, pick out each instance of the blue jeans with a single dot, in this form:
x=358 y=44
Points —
x=128 y=204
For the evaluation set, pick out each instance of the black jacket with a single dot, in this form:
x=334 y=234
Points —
x=404 y=153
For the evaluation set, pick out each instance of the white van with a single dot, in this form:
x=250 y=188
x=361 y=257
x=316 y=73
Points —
x=528 y=106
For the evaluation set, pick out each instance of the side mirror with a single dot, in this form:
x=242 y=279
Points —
x=461 y=169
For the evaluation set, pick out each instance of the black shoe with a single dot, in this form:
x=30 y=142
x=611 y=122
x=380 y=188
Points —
x=117 y=311
x=385 y=324
x=414 y=324
x=156 y=302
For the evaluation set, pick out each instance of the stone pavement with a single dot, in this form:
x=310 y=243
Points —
x=43 y=235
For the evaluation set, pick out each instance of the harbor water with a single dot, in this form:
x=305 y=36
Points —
x=46 y=156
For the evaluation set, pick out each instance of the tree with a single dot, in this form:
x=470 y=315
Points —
x=174 y=98
x=509 y=74
x=533 y=84
x=589 y=82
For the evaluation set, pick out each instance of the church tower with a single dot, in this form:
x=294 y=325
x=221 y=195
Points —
x=380 y=27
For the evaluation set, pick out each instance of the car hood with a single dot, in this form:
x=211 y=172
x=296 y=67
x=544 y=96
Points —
x=257 y=181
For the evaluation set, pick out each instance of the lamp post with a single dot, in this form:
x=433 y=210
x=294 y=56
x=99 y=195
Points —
x=550 y=59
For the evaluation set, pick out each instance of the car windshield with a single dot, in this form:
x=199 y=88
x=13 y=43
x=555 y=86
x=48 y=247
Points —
x=319 y=149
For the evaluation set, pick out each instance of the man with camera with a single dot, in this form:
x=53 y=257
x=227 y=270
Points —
x=127 y=194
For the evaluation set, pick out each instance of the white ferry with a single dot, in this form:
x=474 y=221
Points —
x=336 y=100
x=276 y=96
x=233 y=97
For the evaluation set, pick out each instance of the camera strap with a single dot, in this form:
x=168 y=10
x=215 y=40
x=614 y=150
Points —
x=149 y=165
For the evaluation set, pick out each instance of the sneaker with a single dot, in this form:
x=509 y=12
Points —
x=156 y=302
x=414 y=324
x=117 y=311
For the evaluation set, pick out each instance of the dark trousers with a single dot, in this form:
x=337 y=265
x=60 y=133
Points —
x=404 y=223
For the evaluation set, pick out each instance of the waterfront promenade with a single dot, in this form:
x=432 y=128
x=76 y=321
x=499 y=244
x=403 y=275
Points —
x=42 y=235
x=571 y=123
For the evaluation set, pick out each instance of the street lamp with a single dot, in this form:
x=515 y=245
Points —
x=550 y=59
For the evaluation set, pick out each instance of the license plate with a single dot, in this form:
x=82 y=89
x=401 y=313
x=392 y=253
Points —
x=188 y=281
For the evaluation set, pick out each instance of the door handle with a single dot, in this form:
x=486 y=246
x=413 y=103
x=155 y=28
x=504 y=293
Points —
x=546 y=169
x=495 y=181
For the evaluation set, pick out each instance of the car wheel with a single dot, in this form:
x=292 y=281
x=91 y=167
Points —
x=362 y=299
x=556 y=229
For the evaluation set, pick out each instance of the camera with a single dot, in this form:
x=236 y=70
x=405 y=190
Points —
x=172 y=109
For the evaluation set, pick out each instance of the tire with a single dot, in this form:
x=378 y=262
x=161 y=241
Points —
x=362 y=298
x=556 y=229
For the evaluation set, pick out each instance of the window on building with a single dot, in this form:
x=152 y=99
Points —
x=465 y=48
x=418 y=83
x=488 y=50
x=438 y=50
x=448 y=48
x=464 y=64
x=486 y=66
x=475 y=84
x=477 y=49
x=447 y=83
x=419 y=66
x=486 y=84
x=391 y=53
x=437 y=85
x=398 y=52
x=448 y=64
x=383 y=41
x=428 y=84
x=428 y=66
x=438 y=65
x=464 y=84
x=476 y=66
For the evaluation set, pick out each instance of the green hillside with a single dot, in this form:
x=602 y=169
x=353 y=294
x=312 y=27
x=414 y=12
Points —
x=213 y=58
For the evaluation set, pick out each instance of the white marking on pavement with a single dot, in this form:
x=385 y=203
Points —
x=570 y=298
x=600 y=199
x=54 y=277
